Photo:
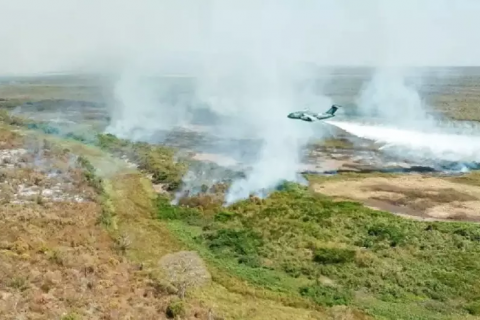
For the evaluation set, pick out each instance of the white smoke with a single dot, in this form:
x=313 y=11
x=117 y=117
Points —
x=396 y=115
x=391 y=98
x=247 y=76
x=242 y=60
x=403 y=119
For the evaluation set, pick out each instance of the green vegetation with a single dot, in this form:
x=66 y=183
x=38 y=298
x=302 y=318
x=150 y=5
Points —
x=107 y=217
x=70 y=316
x=7 y=118
x=153 y=159
x=175 y=309
x=305 y=247
x=296 y=247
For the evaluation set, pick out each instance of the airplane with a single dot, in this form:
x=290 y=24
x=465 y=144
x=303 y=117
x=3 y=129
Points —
x=310 y=116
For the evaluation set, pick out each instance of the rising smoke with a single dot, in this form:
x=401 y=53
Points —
x=252 y=80
x=243 y=61
x=394 y=111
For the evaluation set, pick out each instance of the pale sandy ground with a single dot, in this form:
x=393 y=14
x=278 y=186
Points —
x=444 y=207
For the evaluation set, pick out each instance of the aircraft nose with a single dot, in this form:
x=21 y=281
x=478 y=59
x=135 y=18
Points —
x=290 y=115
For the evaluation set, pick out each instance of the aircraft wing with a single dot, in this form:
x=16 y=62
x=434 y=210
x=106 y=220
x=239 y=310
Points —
x=308 y=117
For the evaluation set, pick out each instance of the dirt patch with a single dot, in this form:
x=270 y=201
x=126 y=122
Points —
x=468 y=210
x=412 y=195
x=418 y=199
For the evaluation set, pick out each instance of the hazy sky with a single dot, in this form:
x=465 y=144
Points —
x=53 y=35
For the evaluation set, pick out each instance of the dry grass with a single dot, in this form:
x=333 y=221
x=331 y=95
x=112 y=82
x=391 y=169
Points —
x=9 y=139
x=414 y=195
x=19 y=93
x=55 y=259
x=419 y=199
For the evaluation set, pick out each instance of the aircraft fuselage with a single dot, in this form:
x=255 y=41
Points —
x=309 y=117
x=312 y=116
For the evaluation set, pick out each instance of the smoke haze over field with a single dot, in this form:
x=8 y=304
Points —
x=250 y=60
x=57 y=35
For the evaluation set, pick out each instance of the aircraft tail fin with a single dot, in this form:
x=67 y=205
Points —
x=333 y=109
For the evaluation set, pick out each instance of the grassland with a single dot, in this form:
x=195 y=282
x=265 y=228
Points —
x=299 y=254
x=307 y=250
x=57 y=261
x=304 y=250
x=117 y=239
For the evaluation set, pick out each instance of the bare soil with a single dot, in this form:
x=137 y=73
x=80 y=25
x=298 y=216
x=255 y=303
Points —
x=416 y=196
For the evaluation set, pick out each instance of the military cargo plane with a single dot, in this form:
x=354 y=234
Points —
x=313 y=116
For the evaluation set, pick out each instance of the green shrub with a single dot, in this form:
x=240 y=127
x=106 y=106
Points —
x=107 y=217
x=333 y=255
x=282 y=243
x=224 y=216
x=473 y=308
x=89 y=174
x=392 y=233
x=288 y=186
x=175 y=309
x=326 y=296
x=167 y=211
x=156 y=160
x=292 y=269
x=242 y=242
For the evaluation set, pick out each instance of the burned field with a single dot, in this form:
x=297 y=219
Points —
x=57 y=260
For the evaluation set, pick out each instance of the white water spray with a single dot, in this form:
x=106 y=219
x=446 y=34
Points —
x=415 y=144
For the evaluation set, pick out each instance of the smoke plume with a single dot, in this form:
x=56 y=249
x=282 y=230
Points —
x=248 y=63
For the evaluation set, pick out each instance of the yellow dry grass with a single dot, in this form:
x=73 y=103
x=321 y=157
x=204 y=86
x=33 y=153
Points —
x=415 y=195
x=57 y=261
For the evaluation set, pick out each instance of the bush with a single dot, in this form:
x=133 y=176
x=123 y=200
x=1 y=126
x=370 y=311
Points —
x=89 y=173
x=283 y=242
x=473 y=308
x=392 y=233
x=156 y=160
x=292 y=269
x=175 y=309
x=167 y=211
x=288 y=186
x=333 y=255
x=204 y=202
x=7 y=118
x=326 y=296
x=242 y=242
x=224 y=216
